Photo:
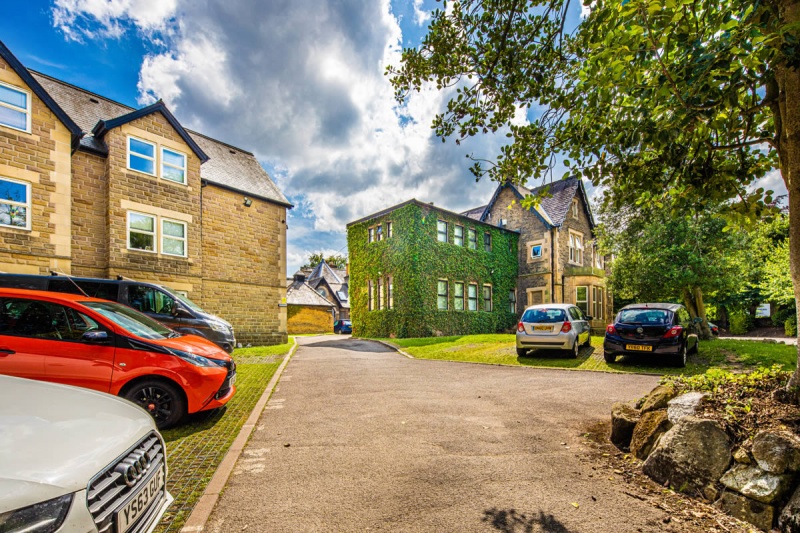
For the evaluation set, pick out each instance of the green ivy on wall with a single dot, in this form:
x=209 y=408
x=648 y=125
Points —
x=416 y=261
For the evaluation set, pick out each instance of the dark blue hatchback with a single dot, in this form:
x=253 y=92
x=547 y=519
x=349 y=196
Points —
x=342 y=326
x=652 y=329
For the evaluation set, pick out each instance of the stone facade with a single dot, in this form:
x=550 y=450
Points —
x=304 y=319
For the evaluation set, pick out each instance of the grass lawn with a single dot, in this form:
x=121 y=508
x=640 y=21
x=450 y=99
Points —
x=499 y=349
x=195 y=448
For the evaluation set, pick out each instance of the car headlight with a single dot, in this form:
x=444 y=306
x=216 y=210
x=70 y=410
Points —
x=193 y=358
x=219 y=326
x=43 y=517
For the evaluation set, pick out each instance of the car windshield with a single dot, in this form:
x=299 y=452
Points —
x=132 y=320
x=544 y=316
x=655 y=317
x=184 y=300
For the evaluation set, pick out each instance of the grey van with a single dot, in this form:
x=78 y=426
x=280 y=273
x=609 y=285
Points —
x=158 y=302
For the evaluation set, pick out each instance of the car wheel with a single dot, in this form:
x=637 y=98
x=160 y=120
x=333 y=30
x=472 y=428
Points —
x=576 y=349
x=695 y=347
x=680 y=358
x=163 y=400
x=521 y=352
x=609 y=357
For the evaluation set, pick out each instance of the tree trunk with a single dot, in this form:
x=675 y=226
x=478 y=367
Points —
x=787 y=122
x=693 y=300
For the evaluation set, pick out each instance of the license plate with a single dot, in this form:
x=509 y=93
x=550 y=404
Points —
x=542 y=328
x=138 y=504
x=232 y=380
x=638 y=348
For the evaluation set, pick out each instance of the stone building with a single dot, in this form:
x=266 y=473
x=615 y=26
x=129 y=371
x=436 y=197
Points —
x=91 y=187
x=307 y=310
x=558 y=258
x=333 y=284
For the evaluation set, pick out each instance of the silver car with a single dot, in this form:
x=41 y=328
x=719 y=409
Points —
x=554 y=327
x=77 y=460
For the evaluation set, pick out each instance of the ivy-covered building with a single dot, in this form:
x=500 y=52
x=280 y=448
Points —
x=417 y=270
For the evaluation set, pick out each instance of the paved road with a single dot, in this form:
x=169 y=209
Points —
x=357 y=437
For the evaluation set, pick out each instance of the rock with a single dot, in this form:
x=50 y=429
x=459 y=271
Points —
x=789 y=520
x=742 y=457
x=759 y=514
x=694 y=453
x=777 y=451
x=658 y=397
x=710 y=493
x=684 y=405
x=756 y=484
x=623 y=420
x=647 y=432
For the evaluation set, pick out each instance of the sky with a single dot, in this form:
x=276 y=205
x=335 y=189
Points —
x=300 y=83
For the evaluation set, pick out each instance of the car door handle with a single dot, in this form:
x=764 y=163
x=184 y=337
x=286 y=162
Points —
x=6 y=351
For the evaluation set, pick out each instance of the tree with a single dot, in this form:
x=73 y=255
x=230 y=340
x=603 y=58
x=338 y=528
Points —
x=333 y=260
x=661 y=258
x=664 y=102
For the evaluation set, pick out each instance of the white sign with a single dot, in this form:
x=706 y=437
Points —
x=763 y=311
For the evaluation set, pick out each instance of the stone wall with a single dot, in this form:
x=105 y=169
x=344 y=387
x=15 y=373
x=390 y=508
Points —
x=89 y=216
x=303 y=319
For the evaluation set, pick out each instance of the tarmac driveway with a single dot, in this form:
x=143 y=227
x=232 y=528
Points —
x=357 y=437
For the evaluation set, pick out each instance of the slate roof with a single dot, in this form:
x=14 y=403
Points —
x=475 y=213
x=334 y=278
x=553 y=208
x=228 y=166
x=301 y=293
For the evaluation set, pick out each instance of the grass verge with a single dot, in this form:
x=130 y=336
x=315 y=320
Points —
x=735 y=355
x=196 y=448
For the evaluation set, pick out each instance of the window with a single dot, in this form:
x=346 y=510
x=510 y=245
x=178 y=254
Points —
x=458 y=237
x=173 y=165
x=322 y=292
x=441 y=294
x=487 y=298
x=441 y=231
x=379 y=233
x=512 y=301
x=389 y=230
x=15 y=203
x=390 y=288
x=597 y=303
x=487 y=242
x=536 y=251
x=473 y=238
x=22 y=317
x=141 y=232
x=141 y=156
x=380 y=293
x=371 y=293
x=582 y=299
x=15 y=108
x=575 y=208
x=575 y=248
x=575 y=313
x=598 y=258
x=472 y=297
x=459 y=296
x=150 y=300
x=173 y=237
x=371 y=235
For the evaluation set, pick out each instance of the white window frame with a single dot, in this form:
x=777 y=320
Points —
x=540 y=244
x=370 y=296
x=575 y=247
x=446 y=295
x=456 y=236
x=457 y=298
x=512 y=300
x=470 y=299
x=154 y=233
x=370 y=235
x=483 y=298
x=155 y=152
x=380 y=293
x=390 y=291
x=379 y=233
x=439 y=223
x=579 y=302
x=472 y=238
x=27 y=109
x=184 y=239
x=26 y=205
x=389 y=230
x=597 y=303
x=164 y=163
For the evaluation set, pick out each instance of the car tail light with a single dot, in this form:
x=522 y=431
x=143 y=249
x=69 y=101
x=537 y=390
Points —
x=611 y=330
x=521 y=327
x=566 y=327
x=675 y=331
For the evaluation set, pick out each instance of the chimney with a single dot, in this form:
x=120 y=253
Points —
x=300 y=277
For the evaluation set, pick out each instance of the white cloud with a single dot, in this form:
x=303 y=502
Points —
x=420 y=15
x=108 y=18
x=586 y=9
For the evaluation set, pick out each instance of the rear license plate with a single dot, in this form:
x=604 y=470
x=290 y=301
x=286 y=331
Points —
x=138 y=504
x=638 y=348
x=542 y=328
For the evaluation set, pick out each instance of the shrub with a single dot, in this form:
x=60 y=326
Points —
x=790 y=326
x=740 y=322
x=780 y=316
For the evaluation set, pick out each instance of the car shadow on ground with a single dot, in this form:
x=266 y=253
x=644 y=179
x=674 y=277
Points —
x=348 y=343
x=510 y=521
x=556 y=358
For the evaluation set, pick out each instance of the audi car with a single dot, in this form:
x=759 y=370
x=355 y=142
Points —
x=654 y=330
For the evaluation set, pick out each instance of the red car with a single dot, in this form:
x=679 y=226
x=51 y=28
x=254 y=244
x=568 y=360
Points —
x=109 y=347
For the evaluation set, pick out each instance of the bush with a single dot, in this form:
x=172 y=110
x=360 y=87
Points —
x=780 y=316
x=740 y=322
x=790 y=326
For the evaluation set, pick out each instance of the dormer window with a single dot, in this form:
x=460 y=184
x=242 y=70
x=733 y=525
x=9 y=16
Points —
x=141 y=156
x=15 y=108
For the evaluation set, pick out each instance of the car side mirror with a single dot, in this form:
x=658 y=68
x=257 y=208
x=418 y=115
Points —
x=181 y=312
x=588 y=317
x=697 y=320
x=95 y=337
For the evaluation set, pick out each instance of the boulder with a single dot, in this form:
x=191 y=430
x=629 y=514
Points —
x=623 y=420
x=742 y=457
x=658 y=397
x=691 y=455
x=777 y=451
x=684 y=405
x=789 y=520
x=756 y=484
x=759 y=514
x=647 y=432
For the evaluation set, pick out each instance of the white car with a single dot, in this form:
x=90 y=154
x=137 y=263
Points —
x=76 y=460
x=554 y=327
